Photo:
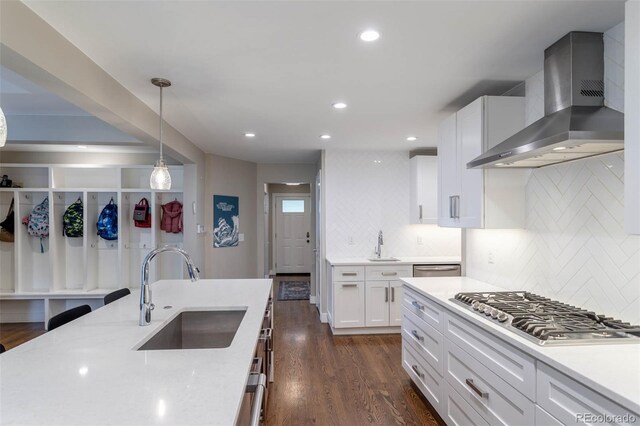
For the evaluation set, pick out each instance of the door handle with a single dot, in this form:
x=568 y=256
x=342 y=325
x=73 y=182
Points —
x=456 y=204
x=386 y=294
x=436 y=268
x=307 y=234
x=349 y=285
x=349 y=274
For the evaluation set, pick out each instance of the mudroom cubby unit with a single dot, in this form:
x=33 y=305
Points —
x=44 y=276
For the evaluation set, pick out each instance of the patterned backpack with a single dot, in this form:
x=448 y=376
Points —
x=38 y=224
x=108 y=222
x=72 y=220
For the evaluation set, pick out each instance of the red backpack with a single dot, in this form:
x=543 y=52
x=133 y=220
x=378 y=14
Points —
x=142 y=214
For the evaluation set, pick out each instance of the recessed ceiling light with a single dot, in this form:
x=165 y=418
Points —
x=339 y=105
x=369 y=35
x=250 y=135
x=412 y=138
x=81 y=146
x=325 y=137
x=499 y=164
x=559 y=148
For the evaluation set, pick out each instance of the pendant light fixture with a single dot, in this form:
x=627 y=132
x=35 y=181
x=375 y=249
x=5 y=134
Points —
x=3 y=129
x=160 y=177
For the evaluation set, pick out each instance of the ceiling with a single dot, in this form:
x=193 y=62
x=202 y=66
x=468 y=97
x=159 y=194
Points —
x=40 y=121
x=275 y=68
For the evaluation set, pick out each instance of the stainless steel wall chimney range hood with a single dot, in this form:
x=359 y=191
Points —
x=576 y=122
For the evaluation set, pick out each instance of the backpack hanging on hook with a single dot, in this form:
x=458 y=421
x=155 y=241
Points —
x=108 y=222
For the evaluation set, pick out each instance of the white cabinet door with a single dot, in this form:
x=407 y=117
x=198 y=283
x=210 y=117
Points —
x=348 y=304
x=470 y=143
x=377 y=306
x=395 y=303
x=448 y=172
x=424 y=189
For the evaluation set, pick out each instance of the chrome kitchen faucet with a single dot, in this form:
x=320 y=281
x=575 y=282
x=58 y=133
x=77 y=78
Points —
x=145 y=290
x=378 y=249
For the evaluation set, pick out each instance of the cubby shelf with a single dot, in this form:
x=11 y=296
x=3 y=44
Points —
x=72 y=270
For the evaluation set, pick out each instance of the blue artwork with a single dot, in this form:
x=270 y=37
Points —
x=226 y=221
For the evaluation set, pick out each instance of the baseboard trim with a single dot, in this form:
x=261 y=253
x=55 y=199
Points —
x=324 y=318
x=365 y=330
x=312 y=300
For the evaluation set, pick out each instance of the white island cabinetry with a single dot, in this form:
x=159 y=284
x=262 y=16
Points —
x=475 y=372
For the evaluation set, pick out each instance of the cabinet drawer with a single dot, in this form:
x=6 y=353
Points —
x=456 y=411
x=573 y=403
x=513 y=366
x=426 y=340
x=387 y=272
x=493 y=398
x=348 y=273
x=428 y=311
x=545 y=419
x=423 y=375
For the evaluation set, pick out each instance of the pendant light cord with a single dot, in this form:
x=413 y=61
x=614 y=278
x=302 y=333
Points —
x=161 y=123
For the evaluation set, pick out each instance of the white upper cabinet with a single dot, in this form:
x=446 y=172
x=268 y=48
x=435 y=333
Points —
x=477 y=198
x=424 y=189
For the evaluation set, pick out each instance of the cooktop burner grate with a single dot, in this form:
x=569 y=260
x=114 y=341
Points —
x=545 y=320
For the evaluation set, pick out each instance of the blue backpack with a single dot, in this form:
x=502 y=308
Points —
x=108 y=222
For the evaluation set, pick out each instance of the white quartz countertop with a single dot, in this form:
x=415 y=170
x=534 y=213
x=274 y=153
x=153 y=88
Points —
x=610 y=369
x=88 y=371
x=361 y=261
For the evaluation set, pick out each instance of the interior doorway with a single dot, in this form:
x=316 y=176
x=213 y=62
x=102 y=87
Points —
x=292 y=233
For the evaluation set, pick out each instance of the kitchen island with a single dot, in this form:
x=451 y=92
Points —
x=89 y=371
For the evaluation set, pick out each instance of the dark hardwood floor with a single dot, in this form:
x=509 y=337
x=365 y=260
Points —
x=338 y=380
x=321 y=379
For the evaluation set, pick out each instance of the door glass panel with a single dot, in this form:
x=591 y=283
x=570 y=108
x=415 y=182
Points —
x=292 y=206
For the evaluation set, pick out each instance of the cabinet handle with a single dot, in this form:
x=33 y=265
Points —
x=436 y=268
x=349 y=285
x=389 y=274
x=417 y=336
x=420 y=212
x=386 y=294
x=349 y=274
x=417 y=305
x=451 y=206
x=476 y=389
x=456 y=212
x=393 y=294
x=415 y=368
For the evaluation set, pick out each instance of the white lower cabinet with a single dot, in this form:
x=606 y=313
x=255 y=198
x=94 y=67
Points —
x=456 y=411
x=383 y=303
x=571 y=402
x=471 y=377
x=348 y=305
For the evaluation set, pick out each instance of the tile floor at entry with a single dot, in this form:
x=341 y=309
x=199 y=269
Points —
x=320 y=378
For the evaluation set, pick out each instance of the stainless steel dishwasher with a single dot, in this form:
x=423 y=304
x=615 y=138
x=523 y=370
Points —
x=436 y=270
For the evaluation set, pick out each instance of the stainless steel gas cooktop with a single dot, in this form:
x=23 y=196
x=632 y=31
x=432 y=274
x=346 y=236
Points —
x=547 y=321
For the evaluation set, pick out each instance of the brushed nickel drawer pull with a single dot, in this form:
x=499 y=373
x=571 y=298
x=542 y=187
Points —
x=417 y=305
x=393 y=294
x=417 y=336
x=389 y=274
x=349 y=274
x=386 y=294
x=349 y=285
x=415 y=368
x=476 y=389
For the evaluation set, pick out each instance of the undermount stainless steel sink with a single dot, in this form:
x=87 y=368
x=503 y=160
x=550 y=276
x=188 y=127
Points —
x=383 y=259
x=197 y=330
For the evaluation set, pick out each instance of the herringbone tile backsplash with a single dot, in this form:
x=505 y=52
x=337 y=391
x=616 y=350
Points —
x=574 y=247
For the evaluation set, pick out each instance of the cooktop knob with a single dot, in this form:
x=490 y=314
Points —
x=480 y=307
x=502 y=317
x=487 y=310
x=494 y=313
x=475 y=305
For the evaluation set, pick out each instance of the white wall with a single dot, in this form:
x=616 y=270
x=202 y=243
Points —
x=574 y=247
x=368 y=191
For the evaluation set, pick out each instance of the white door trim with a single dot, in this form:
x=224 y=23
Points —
x=273 y=219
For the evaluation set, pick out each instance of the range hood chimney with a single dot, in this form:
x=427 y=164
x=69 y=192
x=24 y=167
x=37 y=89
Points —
x=576 y=122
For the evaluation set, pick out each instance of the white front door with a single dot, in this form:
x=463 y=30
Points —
x=293 y=234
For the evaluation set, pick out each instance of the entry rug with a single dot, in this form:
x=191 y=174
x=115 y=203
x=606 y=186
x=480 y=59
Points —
x=294 y=290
